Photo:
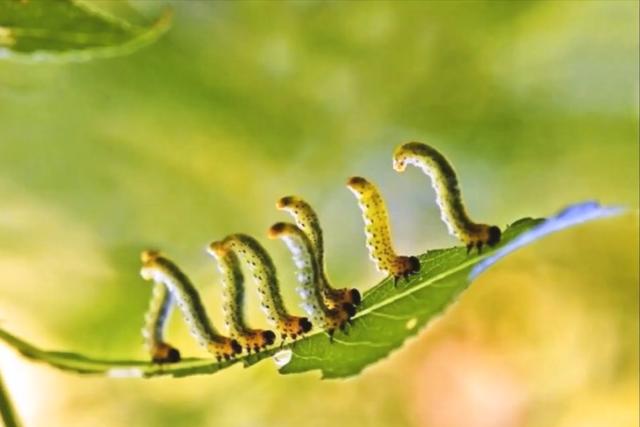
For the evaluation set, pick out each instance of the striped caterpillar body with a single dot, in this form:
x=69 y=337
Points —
x=233 y=301
x=307 y=220
x=160 y=308
x=449 y=198
x=263 y=270
x=378 y=231
x=308 y=276
x=161 y=270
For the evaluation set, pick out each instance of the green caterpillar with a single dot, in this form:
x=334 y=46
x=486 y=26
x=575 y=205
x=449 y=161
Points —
x=378 y=231
x=233 y=301
x=156 y=319
x=329 y=308
x=449 y=197
x=307 y=219
x=263 y=270
x=161 y=270
x=308 y=276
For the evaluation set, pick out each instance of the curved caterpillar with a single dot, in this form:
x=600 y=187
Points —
x=308 y=276
x=155 y=323
x=162 y=271
x=378 y=231
x=307 y=220
x=263 y=270
x=449 y=197
x=328 y=307
x=233 y=301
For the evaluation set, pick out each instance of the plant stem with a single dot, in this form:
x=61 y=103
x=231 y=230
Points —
x=6 y=408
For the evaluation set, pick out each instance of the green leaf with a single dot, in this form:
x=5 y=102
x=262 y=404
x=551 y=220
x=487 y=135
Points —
x=387 y=316
x=59 y=30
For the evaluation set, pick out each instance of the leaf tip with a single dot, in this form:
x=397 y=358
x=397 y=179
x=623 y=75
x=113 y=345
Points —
x=571 y=215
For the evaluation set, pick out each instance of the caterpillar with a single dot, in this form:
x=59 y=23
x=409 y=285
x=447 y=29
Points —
x=161 y=270
x=233 y=301
x=449 y=197
x=378 y=231
x=263 y=270
x=308 y=276
x=307 y=220
x=328 y=307
x=160 y=308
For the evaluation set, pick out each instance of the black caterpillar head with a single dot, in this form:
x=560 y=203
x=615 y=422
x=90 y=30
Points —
x=494 y=235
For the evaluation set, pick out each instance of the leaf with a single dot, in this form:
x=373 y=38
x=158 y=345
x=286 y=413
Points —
x=387 y=316
x=45 y=30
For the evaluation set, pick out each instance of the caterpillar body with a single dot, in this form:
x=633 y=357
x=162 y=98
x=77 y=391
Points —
x=156 y=319
x=161 y=270
x=378 y=231
x=307 y=220
x=263 y=270
x=449 y=197
x=308 y=276
x=233 y=301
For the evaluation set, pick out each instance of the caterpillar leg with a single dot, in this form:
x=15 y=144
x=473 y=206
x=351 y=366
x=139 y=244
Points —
x=255 y=339
x=164 y=353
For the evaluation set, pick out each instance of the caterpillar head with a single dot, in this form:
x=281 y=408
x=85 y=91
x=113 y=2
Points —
x=257 y=339
x=358 y=185
x=164 y=353
x=305 y=325
x=216 y=249
x=295 y=326
x=269 y=337
x=148 y=258
x=335 y=297
x=288 y=202
x=407 y=153
x=405 y=266
x=354 y=297
x=149 y=255
x=280 y=229
x=339 y=317
x=349 y=309
x=494 y=235
x=399 y=159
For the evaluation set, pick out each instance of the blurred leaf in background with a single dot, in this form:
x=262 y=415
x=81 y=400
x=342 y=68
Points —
x=59 y=30
x=240 y=103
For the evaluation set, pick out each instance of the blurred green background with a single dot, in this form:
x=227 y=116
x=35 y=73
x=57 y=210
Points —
x=535 y=103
